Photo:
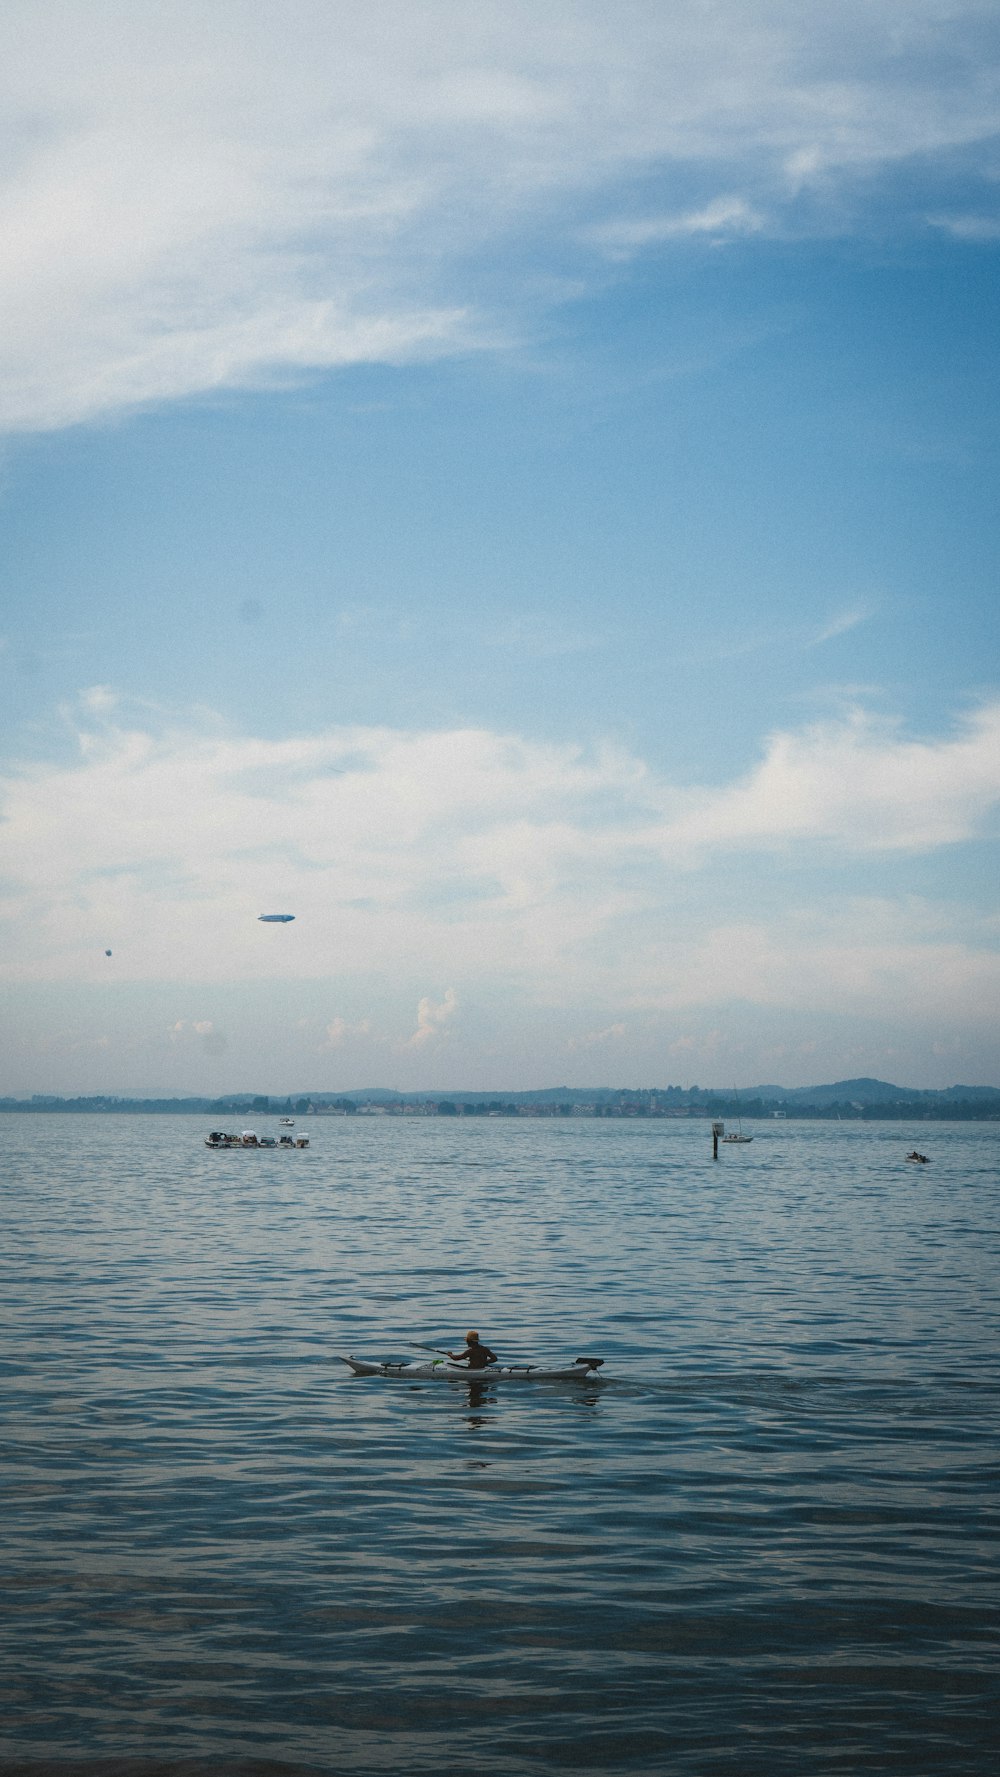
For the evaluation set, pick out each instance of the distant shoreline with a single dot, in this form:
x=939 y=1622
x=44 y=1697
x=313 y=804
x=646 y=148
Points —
x=844 y=1101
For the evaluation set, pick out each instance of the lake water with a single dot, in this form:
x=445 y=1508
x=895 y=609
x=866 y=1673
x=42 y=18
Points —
x=766 y=1543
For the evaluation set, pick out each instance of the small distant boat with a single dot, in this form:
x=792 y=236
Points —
x=739 y=1136
x=287 y=1122
x=921 y=1159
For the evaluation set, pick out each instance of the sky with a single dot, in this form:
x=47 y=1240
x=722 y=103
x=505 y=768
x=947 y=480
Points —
x=514 y=486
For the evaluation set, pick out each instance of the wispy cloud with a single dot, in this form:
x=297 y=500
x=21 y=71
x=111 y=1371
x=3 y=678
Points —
x=200 y=198
x=969 y=228
x=722 y=218
x=841 y=624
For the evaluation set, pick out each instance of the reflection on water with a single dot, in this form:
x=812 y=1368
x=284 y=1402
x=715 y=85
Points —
x=476 y=1394
x=763 y=1541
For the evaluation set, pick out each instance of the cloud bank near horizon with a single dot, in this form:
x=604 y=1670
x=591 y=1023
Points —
x=206 y=199
x=472 y=868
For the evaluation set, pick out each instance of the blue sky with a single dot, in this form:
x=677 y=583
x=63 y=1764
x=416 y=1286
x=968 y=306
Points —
x=516 y=488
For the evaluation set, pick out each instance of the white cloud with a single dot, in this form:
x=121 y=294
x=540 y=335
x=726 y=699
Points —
x=212 y=1040
x=857 y=785
x=459 y=845
x=541 y=879
x=431 y=1019
x=199 y=198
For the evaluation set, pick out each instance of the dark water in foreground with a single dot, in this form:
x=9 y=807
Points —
x=765 y=1544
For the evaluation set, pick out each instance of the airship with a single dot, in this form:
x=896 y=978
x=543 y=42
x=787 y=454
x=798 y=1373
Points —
x=275 y=919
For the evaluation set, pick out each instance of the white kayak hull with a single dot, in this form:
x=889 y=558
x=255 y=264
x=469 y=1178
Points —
x=440 y=1370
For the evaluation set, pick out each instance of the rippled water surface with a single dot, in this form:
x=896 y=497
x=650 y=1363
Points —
x=765 y=1543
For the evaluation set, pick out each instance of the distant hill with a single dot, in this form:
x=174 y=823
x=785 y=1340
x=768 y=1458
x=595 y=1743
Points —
x=863 y=1097
x=868 y=1091
x=537 y=1095
x=863 y=1091
x=859 y=1091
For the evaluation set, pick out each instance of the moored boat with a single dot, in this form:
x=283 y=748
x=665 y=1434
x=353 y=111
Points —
x=440 y=1370
x=221 y=1138
x=738 y=1136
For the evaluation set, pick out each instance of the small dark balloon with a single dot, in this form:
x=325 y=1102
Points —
x=107 y=953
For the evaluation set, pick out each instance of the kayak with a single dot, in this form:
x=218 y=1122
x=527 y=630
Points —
x=440 y=1370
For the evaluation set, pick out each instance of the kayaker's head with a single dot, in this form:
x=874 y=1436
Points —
x=472 y=1338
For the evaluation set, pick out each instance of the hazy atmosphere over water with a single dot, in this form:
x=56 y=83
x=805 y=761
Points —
x=515 y=487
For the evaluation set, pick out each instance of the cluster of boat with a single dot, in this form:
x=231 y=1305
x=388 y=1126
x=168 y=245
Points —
x=248 y=1138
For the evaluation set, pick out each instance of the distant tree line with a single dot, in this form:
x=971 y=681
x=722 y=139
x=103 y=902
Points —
x=487 y=1107
x=671 y=1101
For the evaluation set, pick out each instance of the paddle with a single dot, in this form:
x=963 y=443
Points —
x=595 y=1362
x=419 y=1347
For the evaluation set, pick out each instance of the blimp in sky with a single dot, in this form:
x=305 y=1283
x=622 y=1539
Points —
x=275 y=919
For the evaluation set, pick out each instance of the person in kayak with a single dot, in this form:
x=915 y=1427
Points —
x=476 y=1355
